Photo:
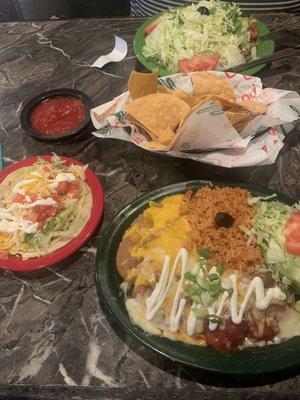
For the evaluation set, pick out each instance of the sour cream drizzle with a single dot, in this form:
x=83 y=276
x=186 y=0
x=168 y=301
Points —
x=160 y=292
x=18 y=187
x=263 y=299
x=62 y=177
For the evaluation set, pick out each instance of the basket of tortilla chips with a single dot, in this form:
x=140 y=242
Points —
x=220 y=118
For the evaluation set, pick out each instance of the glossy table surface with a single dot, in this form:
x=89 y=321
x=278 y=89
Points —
x=56 y=341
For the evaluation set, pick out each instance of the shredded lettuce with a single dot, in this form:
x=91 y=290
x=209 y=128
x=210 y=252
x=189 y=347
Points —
x=60 y=222
x=183 y=32
x=269 y=223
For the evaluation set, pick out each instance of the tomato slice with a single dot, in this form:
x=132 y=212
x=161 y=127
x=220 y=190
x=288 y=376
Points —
x=3 y=254
x=253 y=31
x=149 y=28
x=292 y=246
x=292 y=234
x=292 y=225
x=295 y=216
x=199 y=62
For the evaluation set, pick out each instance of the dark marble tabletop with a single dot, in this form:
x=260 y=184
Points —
x=56 y=341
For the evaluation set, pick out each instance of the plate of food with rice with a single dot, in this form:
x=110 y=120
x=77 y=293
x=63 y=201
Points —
x=208 y=275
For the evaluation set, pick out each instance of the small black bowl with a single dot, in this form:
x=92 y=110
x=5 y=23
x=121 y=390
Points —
x=32 y=103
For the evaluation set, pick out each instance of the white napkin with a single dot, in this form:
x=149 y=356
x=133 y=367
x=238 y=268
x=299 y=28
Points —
x=117 y=54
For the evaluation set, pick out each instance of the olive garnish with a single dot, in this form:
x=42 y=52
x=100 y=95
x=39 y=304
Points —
x=203 y=10
x=223 y=220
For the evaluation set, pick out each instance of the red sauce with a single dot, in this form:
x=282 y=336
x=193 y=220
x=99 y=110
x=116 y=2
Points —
x=57 y=115
x=226 y=338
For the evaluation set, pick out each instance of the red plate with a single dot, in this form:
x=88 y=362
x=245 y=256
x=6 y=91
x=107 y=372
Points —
x=14 y=263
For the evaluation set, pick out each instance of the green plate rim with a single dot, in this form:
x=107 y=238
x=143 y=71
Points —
x=251 y=361
x=265 y=48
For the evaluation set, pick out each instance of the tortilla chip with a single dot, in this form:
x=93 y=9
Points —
x=166 y=136
x=142 y=84
x=183 y=95
x=142 y=128
x=255 y=107
x=154 y=145
x=164 y=89
x=208 y=83
x=158 y=113
x=235 y=118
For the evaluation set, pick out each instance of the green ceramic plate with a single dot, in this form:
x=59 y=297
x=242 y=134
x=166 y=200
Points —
x=264 y=48
x=249 y=361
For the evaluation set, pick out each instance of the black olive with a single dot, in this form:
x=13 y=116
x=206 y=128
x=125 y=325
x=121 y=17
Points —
x=224 y=220
x=203 y=10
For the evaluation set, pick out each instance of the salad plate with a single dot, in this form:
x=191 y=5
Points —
x=264 y=48
x=84 y=232
x=250 y=360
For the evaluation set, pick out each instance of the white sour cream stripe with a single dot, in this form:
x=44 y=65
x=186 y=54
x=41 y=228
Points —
x=62 y=177
x=18 y=187
x=191 y=322
x=263 y=299
x=160 y=292
x=40 y=202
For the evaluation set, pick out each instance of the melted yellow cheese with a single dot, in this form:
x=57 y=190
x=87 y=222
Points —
x=5 y=241
x=164 y=231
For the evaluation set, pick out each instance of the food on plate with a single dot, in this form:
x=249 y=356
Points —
x=203 y=36
x=213 y=267
x=161 y=111
x=42 y=208
x=57 y=115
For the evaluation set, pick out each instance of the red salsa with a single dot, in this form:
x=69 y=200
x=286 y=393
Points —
x=57 y=115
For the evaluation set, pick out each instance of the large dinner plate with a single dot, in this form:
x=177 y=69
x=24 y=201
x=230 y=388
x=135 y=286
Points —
x=264 y=48
x=16 y=263
x=249 y=361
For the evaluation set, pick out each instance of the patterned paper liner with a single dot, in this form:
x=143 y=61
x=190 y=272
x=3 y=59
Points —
x=258 y=144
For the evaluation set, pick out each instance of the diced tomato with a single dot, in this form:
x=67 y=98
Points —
x=41 y=213
x=3 y=254
x=149 y=28
x=18 y=198
x=199 y=62
x=33 y=216
x=254 y=33
x=60 y=204
x=46 y=168
x=292 y=234
x=62 y=188
x=74 y=189
x=33 y=196
x=75 y=193
x=73 y=185
x=228 y=338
